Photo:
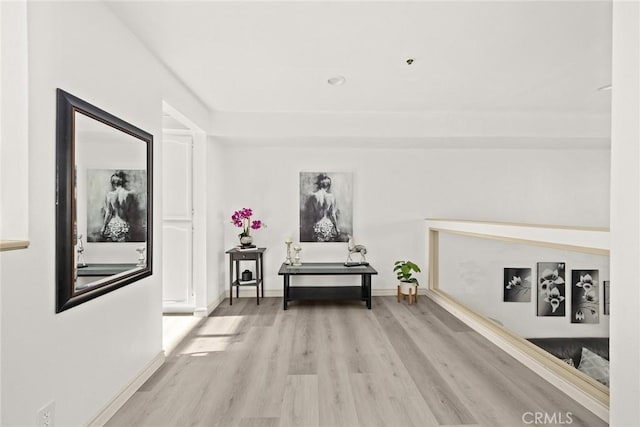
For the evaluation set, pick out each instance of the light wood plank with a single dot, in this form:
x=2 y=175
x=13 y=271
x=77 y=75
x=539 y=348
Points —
x=405 y=395
x=350 y=339
x=304 y=357
x=259 y=422
x=336 y=404
x=268 y=311
x=375 y=354
x=265 y=396
x=464 y=374
x=300 y=403
x=372 y=401
x=446 y=405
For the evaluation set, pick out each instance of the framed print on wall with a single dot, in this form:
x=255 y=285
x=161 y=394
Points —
x=585 y=305
x=517 y=285
x=326 y=206
x=551 y=289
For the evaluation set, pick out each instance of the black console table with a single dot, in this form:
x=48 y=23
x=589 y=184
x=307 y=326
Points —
x=235 y=256
x=292 y=293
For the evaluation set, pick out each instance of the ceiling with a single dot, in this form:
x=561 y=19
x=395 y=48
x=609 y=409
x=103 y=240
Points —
x=469 y=57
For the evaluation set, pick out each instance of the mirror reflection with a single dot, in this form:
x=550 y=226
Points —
x=111 y=201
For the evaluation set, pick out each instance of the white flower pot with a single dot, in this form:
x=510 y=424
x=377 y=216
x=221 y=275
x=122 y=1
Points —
x=245 y=240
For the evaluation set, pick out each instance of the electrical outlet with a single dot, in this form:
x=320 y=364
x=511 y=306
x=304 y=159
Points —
x=46 y=415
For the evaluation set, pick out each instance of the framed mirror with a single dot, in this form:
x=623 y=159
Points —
x=104 y=202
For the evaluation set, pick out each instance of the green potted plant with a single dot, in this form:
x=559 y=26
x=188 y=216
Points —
x=408 y=284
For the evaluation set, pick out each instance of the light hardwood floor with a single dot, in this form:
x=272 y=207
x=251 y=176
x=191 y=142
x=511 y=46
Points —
x=175 y=328
x=339 y=364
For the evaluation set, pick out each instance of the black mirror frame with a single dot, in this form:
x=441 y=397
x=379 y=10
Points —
x=67 y=105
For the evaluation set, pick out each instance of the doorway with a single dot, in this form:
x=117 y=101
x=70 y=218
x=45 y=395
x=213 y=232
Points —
x=177 y=231
x=177 y=221
x=183 y=268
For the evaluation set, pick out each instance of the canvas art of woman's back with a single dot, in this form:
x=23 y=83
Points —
x=322 y=206
x=118 y=205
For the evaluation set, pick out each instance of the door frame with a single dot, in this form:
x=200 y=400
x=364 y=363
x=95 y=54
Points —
x=187 y=306
x=199 y=202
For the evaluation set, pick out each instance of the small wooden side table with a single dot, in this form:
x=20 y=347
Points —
x=237 y=255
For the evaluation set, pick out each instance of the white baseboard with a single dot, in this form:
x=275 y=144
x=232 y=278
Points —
x=251 y=292
x=125 y=394
x=206 y=311
x=572 y=390
x=178 y=308
x=391 y=292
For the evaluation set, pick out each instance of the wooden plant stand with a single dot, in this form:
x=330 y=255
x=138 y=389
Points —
x=413 y=294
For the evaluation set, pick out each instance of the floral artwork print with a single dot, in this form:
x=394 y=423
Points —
x=517 y=285
x=585 y=305
x=551 y=289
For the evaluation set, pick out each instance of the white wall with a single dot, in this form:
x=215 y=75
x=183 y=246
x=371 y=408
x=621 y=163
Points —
x=201 y=250
x=1 y=139
x=625 y=214
x=83 y=357
x=472 y=271
x=14 y=133
x=395 y=190
x=218 y=179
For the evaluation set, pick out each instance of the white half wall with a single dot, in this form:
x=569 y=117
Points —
x=472 y=271
x=396 y=189
x=83 y=357
x=625 y=215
